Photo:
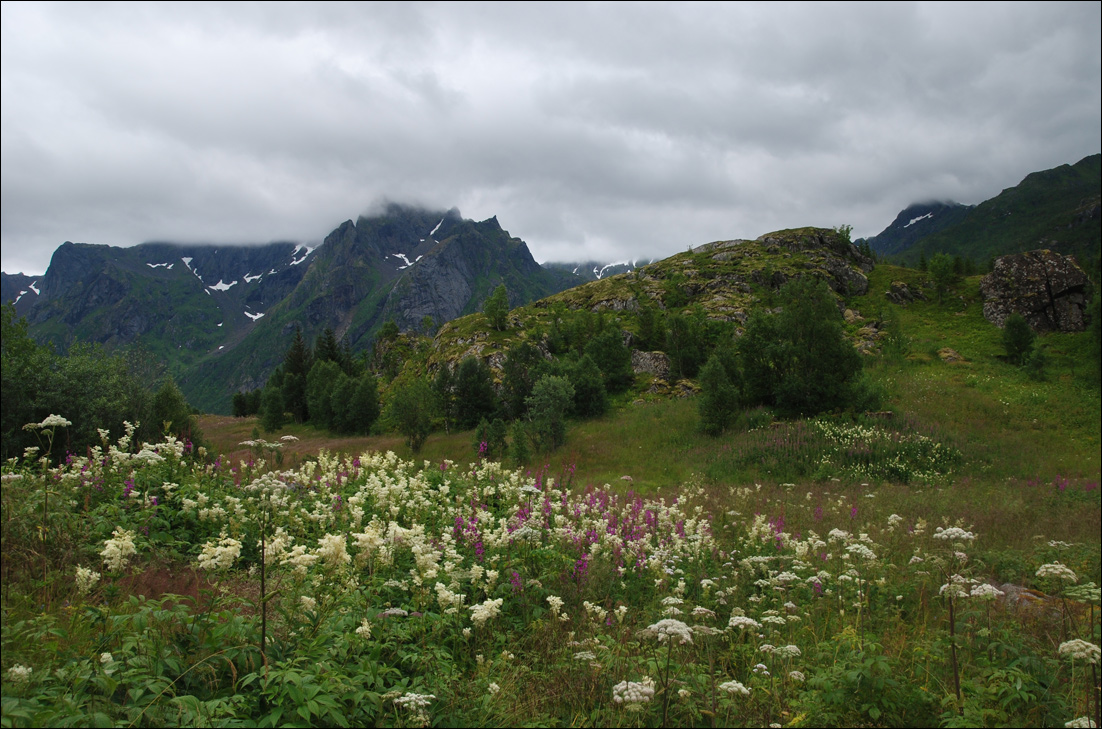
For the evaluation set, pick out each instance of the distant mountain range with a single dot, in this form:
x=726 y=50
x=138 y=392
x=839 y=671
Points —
x=1059 y=209
x=221 y=316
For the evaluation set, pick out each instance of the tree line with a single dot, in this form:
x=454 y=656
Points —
x=90 y=387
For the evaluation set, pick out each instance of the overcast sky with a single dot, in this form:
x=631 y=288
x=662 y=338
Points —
x=603 y=132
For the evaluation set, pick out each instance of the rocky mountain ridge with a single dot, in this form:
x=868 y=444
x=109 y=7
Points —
x=220 y=316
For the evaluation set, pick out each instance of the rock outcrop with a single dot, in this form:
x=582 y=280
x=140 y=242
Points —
x=1046 y=288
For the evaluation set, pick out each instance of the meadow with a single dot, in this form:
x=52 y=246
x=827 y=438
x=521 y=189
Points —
x=933 y=564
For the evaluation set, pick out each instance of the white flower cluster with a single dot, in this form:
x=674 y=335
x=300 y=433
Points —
x=118 y=550
x=743 y=623
x=633 y=693
x=1080 y=650
x=669 y=628
x=299 y=559
x=416 y=705
x=20 y=673
x=1057 y=571
x=86 y=579
x=1082 y=722
x=485 y=611
x=333 y=549
x=734 y=688
x=219 y=555
x=957 y=586
x=953 y=534
x=860 y=550
x=797 y=676
x=585 y=656
x=986 y=592
x=364 y=631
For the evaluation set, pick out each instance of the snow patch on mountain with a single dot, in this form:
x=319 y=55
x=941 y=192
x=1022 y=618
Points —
x=406 y=259
x=254 y=317
x=34 y=288
x=305 y=255
x=920 y=217
x=161 y=265
x=249 y=278
x=433 y=231
x=223 y=286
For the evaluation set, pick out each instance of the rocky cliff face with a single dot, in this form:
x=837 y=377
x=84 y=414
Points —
x=222 y=316
x=1048 y=289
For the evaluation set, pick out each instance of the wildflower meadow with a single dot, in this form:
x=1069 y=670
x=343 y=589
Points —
x=155 y=584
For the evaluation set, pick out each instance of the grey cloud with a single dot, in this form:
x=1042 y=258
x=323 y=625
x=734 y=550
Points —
x=590 y=130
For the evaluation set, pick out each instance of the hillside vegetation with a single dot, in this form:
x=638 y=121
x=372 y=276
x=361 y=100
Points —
x=935 y=561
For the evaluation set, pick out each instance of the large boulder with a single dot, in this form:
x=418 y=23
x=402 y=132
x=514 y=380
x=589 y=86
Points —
x=1048 y=289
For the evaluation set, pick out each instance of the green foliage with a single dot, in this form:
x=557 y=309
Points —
x=490 y=439
x=519 y=450
x=799 y=360
x=718 y=401
x=320 y=383
x=551 y=401
x=845 y=232
x=474 y=393
x=685 y=344
x=496 y=308
x=652 y=328
x=941 y=273
x=296 y=367
x=613 y=358
x=1017 y=339
x=88 y=386
x=443 y=391
x=172 y=413
x=271 y=412
x=410 y=409
x=519 y=373
x=590 y=396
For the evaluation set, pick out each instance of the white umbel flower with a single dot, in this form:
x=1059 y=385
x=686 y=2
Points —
x=1080 y=650
x=665 y=629
x=734 y=688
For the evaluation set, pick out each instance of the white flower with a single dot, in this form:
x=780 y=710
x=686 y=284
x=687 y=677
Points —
x=308 y=603
x=20 y=673
x=633 y=693
x=106 y=658
x=51 y=421
x=364 y=631
x=485 y=611
x=953 y=534
x=1057 y=571
x=300 y=559
x=861 y=551
x=788 y=651
x=556 y=604
x=986 y=592
x=742 y=622
x=1080 y=650
x=333 y=549
x=86 y=579
x=493 y=688
x=118 y=551
x=796 y=676
x=219 y=555
x=585 y=656
x=734 y=687
x=664 y=629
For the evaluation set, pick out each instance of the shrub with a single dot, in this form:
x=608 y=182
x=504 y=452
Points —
x=1017 y=339
x=551 y=400
x=719 y=401
x=800 y=360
